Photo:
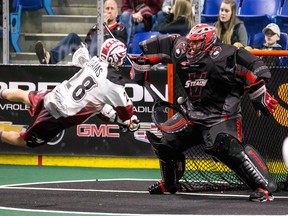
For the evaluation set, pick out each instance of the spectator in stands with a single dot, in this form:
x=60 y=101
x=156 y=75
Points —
x=229 y=28
x=137 y=15
x=179 y=20
x=166 y=9
x=272 y=36
x=72 y=41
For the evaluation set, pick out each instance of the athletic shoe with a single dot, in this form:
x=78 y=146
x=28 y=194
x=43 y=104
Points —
x=160 y=188
x=261 y=195
x=157 y=188
x=42 y=54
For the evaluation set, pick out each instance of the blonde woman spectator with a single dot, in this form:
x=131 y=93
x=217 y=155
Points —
x=229 y=28
x=179 y=20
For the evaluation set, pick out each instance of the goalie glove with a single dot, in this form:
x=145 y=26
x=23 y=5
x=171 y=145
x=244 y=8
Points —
x=81 y=56
x=261 y=99
x=141 y=64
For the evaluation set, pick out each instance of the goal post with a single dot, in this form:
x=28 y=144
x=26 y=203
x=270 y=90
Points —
x=266 y=133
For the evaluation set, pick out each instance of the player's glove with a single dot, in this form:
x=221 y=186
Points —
x=133 y=124
x=261 y=99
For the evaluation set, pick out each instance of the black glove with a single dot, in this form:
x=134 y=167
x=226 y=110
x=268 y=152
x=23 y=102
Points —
x=132 y=125
x=261 y=99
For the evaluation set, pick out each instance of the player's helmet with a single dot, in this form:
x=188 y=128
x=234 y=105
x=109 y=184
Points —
x=204 y=32
x=113 y=51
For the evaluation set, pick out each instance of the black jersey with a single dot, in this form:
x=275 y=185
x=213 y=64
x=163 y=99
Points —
x=214 y=84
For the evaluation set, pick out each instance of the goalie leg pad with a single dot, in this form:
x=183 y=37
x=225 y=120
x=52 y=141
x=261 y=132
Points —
x=246 y=162
x=172 y=164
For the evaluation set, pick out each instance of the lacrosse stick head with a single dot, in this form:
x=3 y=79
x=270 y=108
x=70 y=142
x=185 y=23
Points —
x=113 y=52
x=81 y=56
x=173 y=123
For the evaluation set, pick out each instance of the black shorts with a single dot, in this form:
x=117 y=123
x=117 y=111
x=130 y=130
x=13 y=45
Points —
x=197 y=134
x=45 y=126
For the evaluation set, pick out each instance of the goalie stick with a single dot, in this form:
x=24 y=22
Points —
x=160 y=108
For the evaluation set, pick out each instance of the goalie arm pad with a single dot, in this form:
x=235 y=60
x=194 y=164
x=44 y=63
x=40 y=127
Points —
x=159 y=45
x=261 y=99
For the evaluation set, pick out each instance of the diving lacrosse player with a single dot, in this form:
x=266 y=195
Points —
x=96 y=89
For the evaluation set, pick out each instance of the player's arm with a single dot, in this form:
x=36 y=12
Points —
x=254 y=64
x=154 y=50
x=257 y=82
x=261 y=99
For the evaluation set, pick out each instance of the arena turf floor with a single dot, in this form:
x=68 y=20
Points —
x=51 y=191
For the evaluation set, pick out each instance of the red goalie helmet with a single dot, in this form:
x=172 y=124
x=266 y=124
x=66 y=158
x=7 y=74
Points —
x=200 y=32
x=113 y=51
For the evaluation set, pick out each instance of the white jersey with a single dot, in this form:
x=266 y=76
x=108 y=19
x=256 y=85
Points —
x=88 y=91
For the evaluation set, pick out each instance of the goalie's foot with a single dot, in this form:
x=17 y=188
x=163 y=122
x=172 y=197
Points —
x=160 y=188
x=157 y=188
x=42 y=54
x=261 y=195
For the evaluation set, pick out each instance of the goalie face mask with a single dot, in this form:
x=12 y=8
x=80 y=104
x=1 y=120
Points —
x=201 y=33
x=113 y=52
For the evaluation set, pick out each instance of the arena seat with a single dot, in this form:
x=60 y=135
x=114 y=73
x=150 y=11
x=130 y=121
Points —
x=140 y=36
x=281 y=19
x=259 y=39
x=210 y=11
x=259 y=15
x=15 y=17
x=211 y=8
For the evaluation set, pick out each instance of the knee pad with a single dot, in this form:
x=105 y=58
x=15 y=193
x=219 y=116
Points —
x=246 y=162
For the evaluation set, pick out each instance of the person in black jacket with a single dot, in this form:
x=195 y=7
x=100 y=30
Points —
x=180 y=20
x=213 y=85
x=72 y=41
